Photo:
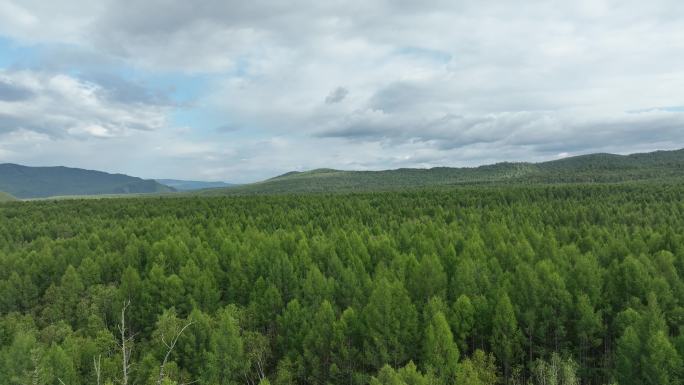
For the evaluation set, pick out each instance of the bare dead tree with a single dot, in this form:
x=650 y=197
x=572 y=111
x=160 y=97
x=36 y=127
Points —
x=260 y=369
x=170 y=346
x=97 y=365
x=257 y=354
x=125 y=345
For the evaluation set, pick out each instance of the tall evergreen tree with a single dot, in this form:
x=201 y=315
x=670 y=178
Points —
x=462 y=321
x=644 y=353
x=318 y=345
x=505 y=338
x=391 y=322
x=226 y=359
x=440 y=353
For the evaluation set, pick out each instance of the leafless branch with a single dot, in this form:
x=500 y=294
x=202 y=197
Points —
x=169 y=350
x=125 y=344
x=98 y=369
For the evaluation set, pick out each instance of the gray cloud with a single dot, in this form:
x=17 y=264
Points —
x=10 y=123
x=398 y=96
x=11 y=93
x=228 y=127
x=120 y=90
x=337 y=95
x=538 y=132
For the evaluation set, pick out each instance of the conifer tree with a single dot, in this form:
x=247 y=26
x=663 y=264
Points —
x=440 y=353
x=505 y=338
x=318 y=345
x=462 y=321
x=226 y=359
x=391 y=322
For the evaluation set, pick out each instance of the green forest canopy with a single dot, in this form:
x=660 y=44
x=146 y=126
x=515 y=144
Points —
x=464 y=286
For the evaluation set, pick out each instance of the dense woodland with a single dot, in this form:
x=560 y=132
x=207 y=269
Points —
x=473 y=286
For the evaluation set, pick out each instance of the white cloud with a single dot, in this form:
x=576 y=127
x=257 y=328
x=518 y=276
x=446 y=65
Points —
x=359 y=84
x=35 y=21
x=60 y=105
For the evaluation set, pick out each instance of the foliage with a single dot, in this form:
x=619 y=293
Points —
x=476 y=285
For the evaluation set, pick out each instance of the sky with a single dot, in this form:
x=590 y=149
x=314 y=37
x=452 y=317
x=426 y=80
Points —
x=240 y=91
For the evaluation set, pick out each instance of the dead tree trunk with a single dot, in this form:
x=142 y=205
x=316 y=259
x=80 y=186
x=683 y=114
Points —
x=125 y=345
x=169 y=347
x=97 y=365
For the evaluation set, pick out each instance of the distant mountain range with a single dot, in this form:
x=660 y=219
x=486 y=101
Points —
x=191 y=185
x=42 y=182
x=594 y=168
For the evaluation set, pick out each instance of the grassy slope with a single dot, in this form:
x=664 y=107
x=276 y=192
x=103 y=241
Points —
x=41 y=182
x=596 y=168
x=5 y=197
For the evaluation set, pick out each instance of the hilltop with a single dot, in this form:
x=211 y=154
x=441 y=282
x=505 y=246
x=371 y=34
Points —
x=593 y=168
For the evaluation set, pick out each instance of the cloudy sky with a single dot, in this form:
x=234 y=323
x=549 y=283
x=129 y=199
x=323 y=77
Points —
x=244 y=90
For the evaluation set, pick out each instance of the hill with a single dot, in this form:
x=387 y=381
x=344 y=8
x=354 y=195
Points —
x=593 y=168
x=42 y=182
x=191 y=185
x=5 y=197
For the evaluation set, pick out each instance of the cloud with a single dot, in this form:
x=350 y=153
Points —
x=120 y=90
x=397 y=96
x=337 y=95
x=12 y=93
x=536 y=132
x=60 y=105
x=435 y=83
x=37 y=21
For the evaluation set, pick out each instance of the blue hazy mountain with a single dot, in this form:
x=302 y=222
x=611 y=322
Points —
x=42 y=182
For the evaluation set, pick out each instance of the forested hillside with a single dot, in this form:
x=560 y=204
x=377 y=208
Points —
x=516 y=285
x=41 y=182
x=594 y=168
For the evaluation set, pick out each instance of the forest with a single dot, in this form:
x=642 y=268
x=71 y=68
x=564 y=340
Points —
x=514 y=285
